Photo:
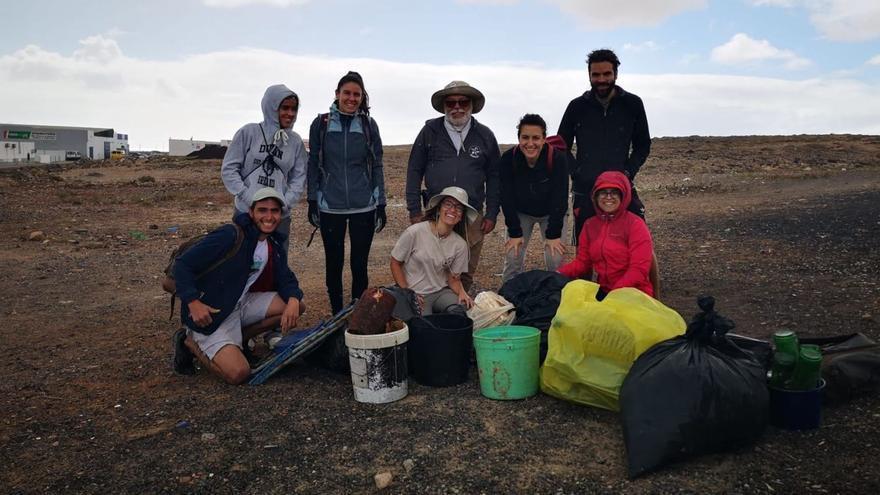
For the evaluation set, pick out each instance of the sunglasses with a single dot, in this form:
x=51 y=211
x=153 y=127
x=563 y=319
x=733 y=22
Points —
x=463 y=103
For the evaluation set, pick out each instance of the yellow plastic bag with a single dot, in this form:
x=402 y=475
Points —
x=592 y=344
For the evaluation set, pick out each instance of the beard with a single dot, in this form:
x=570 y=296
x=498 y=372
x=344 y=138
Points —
x=460 y=120
x=602 y=90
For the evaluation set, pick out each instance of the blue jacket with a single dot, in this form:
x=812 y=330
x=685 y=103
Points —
x=341 y=181
x=223 y=287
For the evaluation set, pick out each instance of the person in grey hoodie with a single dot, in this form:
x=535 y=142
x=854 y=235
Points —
x=268 y=154
x=346 y=185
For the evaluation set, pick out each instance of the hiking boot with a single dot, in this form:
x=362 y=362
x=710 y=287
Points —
x=182 y=362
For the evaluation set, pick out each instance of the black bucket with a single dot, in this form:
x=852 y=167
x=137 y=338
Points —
x=440 y=349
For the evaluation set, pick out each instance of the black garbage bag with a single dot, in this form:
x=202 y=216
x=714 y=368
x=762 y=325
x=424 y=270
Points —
x=693 y=394
x=850 y=366
x=332 y=354
x=535 y=294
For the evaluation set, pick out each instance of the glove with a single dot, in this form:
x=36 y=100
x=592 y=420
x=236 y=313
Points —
x=381 y=219
x=314 y=214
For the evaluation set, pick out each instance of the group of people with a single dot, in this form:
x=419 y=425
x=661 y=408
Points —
x=457 y=182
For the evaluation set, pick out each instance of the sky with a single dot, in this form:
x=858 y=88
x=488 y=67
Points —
x=198 y=68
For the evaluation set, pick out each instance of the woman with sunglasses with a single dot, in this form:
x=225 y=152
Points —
x=534 y=191
x=431 y=255
x=268 y=154
x=346 y=185
x=615 y=243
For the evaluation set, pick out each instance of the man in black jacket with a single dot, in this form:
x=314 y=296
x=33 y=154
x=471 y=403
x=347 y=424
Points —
x=610 y=129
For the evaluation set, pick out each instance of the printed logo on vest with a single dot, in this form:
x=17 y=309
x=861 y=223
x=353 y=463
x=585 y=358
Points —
x=474 y=151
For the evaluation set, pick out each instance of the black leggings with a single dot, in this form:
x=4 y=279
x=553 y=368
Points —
x=361 y=237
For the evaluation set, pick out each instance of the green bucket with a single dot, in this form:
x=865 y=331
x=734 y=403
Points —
x=507 y=358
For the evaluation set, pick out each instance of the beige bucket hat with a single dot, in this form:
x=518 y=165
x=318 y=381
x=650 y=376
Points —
x=459 y=195
x=458 y=88
x=266 y=193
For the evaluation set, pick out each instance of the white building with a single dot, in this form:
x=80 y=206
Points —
x=183 y=147
x=43 y=143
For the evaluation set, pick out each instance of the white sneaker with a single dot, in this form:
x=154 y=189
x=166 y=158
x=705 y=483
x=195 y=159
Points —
x=272 y=338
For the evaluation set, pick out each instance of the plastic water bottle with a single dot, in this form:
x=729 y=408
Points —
x=783 y=366
x=807 y=370
x=786 y=342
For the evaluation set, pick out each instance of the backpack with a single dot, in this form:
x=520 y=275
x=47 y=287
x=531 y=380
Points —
x=366 y=122
x=555 y=142
x=168 y=284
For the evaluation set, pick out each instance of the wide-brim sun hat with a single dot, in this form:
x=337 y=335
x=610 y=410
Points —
x=458 y=88
x=266 y=193
x=459 y=195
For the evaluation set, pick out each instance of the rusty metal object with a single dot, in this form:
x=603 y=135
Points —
x=372 y=312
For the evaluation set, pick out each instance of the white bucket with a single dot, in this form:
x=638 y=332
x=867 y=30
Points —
x=378 y=366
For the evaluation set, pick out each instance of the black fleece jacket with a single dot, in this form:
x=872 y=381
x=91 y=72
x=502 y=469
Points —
x=534 y=191
x=616 y=138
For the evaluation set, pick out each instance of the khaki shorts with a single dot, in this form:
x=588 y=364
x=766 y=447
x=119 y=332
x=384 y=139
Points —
x=250 y=309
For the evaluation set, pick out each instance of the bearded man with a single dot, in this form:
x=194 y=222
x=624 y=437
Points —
x=610 y=129
x=456 y=150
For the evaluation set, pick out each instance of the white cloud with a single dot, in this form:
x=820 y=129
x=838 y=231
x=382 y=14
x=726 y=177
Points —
x=745 y=50
x=98 y=49
x=838 y=20
x=647 y=46
x=875 y=60
x=603 y=15
x=200 y=96
x=846 y=20
x=231 y=4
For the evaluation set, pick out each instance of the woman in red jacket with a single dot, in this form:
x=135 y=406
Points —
x=615 y=243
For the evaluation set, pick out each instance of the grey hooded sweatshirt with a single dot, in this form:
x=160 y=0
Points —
x=247 y=167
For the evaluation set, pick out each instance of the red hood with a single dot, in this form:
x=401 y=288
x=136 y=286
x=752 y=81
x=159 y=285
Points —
x=612 y=178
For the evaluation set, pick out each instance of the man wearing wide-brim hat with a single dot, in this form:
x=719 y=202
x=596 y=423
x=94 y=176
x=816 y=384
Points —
x=456 y=150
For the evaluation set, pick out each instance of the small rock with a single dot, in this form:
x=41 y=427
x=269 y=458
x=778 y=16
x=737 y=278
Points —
x=408 y=465
x=36 y=235
x=867 y=316
x=208 y=437
x=94 y=245
x=210 y=203
x=383 y=479
x=81 y=231
x=185 y=479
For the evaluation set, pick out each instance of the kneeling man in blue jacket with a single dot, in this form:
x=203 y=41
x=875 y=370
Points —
x=253 y=291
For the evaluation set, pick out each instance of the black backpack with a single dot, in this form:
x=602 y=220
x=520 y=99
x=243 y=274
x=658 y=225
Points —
x=168 y=283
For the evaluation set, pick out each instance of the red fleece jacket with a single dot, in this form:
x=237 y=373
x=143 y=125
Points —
x=617 y=246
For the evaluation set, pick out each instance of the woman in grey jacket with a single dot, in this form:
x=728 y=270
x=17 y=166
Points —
x=346 y=185
x=268 y=154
